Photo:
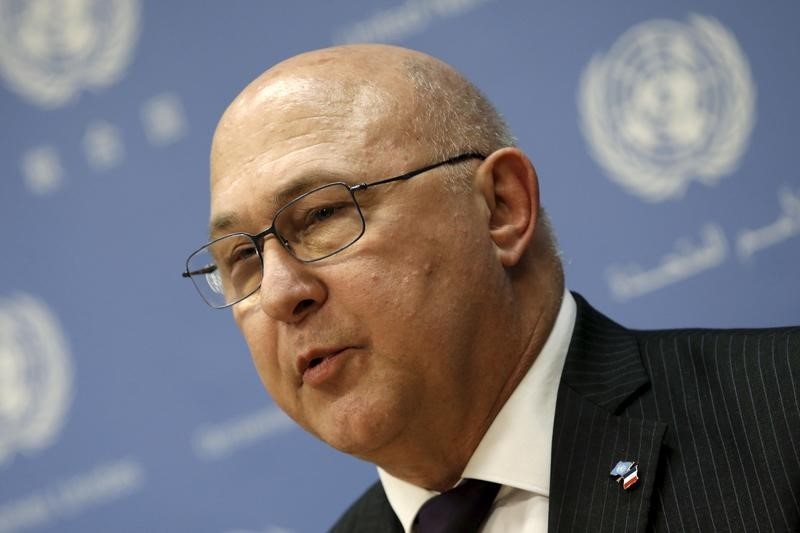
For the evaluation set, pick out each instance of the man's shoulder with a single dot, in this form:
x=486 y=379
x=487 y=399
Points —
x=714 y=344
x=608 y=362
x=371 y=512
x=696 y=341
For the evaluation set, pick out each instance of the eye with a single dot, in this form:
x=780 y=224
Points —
x=241 y=253
x=323 y=213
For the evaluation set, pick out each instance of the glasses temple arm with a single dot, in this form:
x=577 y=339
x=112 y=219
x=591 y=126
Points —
x=409 y=175
x=205 y=270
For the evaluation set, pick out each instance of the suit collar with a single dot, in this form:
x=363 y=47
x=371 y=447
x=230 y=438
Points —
x=603 y=362
x=602 y=376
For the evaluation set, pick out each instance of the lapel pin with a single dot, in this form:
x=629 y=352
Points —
x=626 y=473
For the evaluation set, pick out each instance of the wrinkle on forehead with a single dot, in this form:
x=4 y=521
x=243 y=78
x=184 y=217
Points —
x=257 y=125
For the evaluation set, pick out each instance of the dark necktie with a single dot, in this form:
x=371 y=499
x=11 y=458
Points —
x=461 y=509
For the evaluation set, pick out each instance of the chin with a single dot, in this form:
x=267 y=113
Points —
x=360 y=429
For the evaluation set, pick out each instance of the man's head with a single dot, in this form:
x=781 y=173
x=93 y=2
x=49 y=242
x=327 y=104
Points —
x=421 y=329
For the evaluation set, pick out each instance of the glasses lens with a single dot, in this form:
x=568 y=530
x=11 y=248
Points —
x=320 y=223
x=226 y=270
x=312 y=227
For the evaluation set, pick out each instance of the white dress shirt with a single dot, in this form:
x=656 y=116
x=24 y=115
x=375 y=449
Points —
x=515 y=451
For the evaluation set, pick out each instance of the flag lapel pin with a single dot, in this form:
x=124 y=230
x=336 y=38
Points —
x=626 y=473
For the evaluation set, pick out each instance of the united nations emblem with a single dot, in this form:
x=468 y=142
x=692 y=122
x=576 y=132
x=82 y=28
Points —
x=35 y=376
x=51 y=49
x=669 y=103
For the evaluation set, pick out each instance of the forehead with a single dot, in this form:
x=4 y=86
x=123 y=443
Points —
x=282 y=139
x=264 y=119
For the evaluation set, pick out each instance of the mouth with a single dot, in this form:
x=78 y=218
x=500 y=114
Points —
x=317 y=360
x=311 y=365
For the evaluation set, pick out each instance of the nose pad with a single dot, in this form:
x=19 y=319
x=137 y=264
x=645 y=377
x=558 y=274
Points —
x=289 y=289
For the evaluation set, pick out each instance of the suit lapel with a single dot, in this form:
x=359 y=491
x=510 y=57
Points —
x=603 y=373
x=372 y=512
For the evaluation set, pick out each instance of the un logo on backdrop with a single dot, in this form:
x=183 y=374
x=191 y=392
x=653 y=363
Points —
x=51 y=49
x=35 y=376
x=669 y=103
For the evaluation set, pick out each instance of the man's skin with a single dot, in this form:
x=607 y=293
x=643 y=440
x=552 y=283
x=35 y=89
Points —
x=433 y=317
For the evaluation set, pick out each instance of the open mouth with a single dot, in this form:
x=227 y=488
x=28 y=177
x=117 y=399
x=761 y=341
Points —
x=319 y=366
x=314 y=362
x=320 y=359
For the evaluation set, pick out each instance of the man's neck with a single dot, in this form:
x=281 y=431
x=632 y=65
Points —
x=440 y=456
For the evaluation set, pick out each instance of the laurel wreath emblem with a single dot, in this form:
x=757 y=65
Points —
x=669 y=103
x=51 y=49
x=35 y=376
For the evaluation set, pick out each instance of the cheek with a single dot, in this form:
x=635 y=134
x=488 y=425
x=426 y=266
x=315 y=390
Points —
x=428 y=272
x=409 y=306
x=398 y=289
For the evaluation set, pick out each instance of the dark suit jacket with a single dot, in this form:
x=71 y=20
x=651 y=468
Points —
x=712 y=417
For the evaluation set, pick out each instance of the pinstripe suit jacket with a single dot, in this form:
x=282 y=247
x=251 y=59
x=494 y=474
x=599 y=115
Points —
x=712 y=417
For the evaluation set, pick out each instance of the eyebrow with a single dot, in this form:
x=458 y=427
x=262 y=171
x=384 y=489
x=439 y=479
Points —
x=223 y=223
x=301 y=186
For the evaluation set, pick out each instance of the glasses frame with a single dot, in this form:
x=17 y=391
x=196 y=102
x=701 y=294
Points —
x=271 y=230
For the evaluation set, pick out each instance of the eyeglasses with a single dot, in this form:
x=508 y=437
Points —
x=315 y=225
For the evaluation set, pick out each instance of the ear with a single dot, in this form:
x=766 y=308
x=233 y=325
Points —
x=508 y=185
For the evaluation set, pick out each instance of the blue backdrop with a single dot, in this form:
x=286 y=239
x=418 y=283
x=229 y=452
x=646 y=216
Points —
x=666 y=141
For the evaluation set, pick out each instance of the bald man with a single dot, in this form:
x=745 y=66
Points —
x=381 y=244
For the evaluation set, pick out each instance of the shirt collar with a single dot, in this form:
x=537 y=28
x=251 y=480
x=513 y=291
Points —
x=510 y=453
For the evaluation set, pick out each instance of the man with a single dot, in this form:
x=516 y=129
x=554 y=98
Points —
x=406 y=305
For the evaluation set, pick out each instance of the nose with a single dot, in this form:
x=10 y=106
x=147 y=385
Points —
x=289 y=289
